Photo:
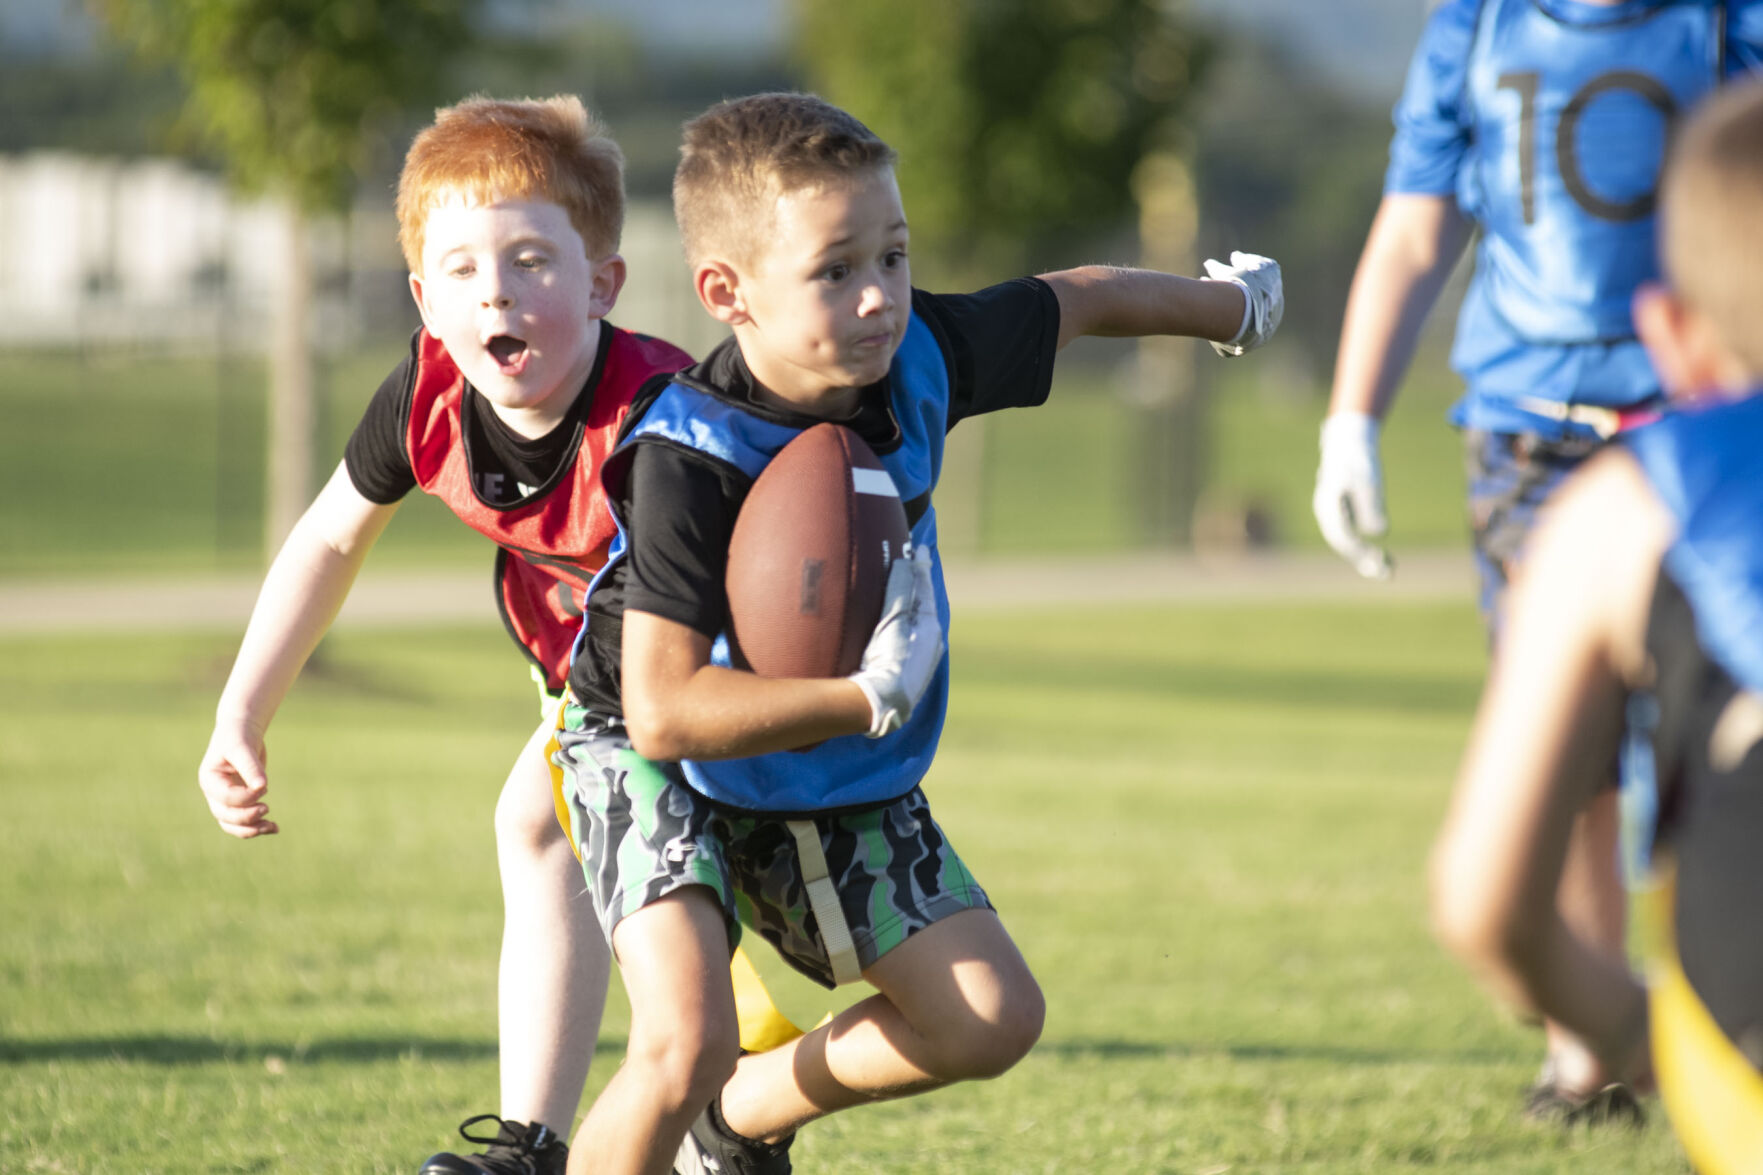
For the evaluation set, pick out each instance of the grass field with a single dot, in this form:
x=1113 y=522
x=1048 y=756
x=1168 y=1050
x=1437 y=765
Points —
x=1205 y=825
x=158 y=458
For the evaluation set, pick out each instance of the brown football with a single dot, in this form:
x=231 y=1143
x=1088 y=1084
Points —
x=808 y=561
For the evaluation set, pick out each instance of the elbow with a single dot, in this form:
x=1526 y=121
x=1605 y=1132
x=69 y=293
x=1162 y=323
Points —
x=654 y=733
x=1472 y=921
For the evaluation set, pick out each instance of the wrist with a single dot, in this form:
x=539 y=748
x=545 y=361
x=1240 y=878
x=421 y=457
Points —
x=241 y=723
x=1248 y=313
x=882 y=717
x=1357 y=429
x=1248 y=316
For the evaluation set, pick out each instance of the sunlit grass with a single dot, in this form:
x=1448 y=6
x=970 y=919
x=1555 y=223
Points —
x=1205 y=826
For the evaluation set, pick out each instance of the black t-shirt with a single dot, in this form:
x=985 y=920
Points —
x=506 y=468
x=1710 y=818
x=679 y=505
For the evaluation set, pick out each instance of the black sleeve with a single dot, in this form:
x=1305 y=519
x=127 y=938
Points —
x=1000 y=343
x=680 y=513
x=375 y=456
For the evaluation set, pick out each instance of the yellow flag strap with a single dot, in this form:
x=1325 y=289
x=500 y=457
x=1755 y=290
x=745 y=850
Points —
x=1712 y=1094
x=835 y=932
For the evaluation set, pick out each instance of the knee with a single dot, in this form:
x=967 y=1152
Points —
x=684 y=1066
x=986 y=1040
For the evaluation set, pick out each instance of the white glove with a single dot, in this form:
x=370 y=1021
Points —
x=907 y=647
x=1348 y=502
x=1264 y=296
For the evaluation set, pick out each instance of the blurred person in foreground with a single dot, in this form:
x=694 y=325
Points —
x=1540 y=124
x=1646 y=573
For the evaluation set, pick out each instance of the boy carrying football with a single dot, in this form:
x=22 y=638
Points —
x=683 y=783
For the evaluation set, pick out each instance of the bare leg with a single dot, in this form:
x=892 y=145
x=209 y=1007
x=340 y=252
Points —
x=956 y=1003
x=1593 y=904
x=684 y=1037
x=551 y=989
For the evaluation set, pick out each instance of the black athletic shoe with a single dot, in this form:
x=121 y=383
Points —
x=1613 y=1105
x=516 y=1149
x=711 y=1148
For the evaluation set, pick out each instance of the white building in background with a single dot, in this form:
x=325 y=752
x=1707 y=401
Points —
x=105 y=251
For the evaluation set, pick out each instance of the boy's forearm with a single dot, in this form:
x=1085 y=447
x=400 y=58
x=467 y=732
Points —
x=301 y=595
x=679 y=706
x=1576 y=985
x=729 y=714
x=1111 y=302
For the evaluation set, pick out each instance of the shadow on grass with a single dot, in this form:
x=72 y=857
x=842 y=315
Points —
x=203 y=1050
x=1342 y=1054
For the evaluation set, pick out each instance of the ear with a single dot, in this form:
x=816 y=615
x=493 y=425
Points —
x=718 y=286
x=421 y=304
x=1687 y=349
x=609 y=275
x=1661 y=321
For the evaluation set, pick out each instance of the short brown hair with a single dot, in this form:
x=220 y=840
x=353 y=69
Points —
x=488 y=149
x=1711 y=209
x=740 y=155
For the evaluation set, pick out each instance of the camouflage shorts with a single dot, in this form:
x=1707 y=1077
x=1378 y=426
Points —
x=642 y=833
x=1511 y=476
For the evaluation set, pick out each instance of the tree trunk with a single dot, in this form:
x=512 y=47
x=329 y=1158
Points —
x=1171 y=436
x=293 y=416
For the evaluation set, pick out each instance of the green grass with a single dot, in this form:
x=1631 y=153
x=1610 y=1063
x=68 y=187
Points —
x=145 y=462
x=153 y=462
x=1205 y=825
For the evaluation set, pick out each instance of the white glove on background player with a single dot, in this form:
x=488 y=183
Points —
x=1348 y=502
x=907 y=647
x=1264 y=293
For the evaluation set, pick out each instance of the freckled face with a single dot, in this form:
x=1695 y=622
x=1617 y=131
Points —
x=509 y=289
x=828 y=298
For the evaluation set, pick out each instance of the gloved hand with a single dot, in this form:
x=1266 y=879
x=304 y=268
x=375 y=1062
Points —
x=907 y=647
x=1264 y=291
x=1348 y=502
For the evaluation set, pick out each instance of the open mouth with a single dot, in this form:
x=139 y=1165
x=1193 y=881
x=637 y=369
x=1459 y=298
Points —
x=509 y=353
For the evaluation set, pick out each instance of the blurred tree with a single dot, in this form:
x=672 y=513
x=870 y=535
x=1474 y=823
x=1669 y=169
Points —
x=103 y=103
x=289 y=93
x=1023 y=127
x=1020 y=123
x=1290 y=165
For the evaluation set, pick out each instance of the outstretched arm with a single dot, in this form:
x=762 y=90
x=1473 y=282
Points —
x=1551 y=714
x=301 y=595
x=1237 y=308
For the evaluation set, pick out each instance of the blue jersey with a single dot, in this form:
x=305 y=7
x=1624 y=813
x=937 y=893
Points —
x=1546 y=121
x=840 y=773
x=1706 y=466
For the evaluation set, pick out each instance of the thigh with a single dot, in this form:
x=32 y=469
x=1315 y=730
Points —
x=894 y=871
x=673 y=954
x=640 y=831
x=529 y=803
x=964 y=967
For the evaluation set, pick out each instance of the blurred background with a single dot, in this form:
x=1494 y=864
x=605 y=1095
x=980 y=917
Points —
x=200 y=285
